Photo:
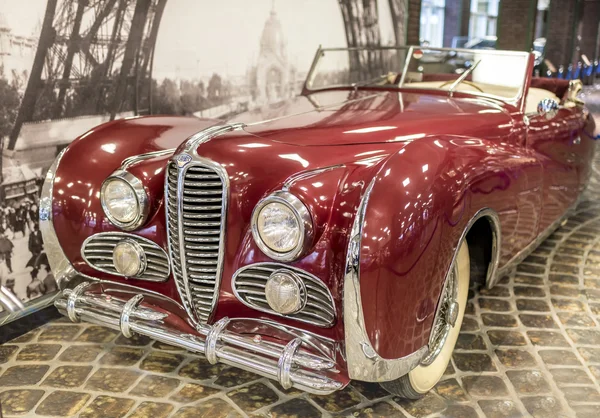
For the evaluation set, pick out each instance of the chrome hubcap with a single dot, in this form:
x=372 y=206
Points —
x=445 y=318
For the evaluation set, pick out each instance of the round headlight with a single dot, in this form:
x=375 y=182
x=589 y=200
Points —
x=129 y=258
x=285 y=292
x=282 y=226
x=124 y=200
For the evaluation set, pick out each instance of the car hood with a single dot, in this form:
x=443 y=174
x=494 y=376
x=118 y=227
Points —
x=342 y=117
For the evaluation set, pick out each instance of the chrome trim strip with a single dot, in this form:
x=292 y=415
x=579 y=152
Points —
x=284 y=365
x=140 y=193
x=261 y=357
x=302 y=215
x=61 y=267
x=72 y=299
x=363 y=361
x=289 y=182
x=129 y=161
x=105 y=236
x=323 y=290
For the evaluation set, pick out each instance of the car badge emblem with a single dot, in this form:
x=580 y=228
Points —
x=183 y=159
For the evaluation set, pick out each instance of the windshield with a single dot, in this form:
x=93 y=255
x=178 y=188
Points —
x=500 y=74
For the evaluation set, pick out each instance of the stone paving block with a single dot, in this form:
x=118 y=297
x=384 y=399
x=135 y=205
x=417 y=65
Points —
x=38 y=352
x=155 y=386
x=62 y=403
x=81 y=353
x=587 y=411
x=212 y=408
x=484 y=386
x=137 y=340
x=152 y=410
x=469 y=324
x=470 y=342
x=59 y=333
x=543 y=406
x=575 y=319
x=19 y=401
x=427 y=405
x=299 y=408
x=570 y=376
x=584 y=336
x=23 y=375
x=122 y=356
x=379 y=409
x=510 y=338
x=160 y=362
x=337 y=401
x=538 y=321
x=528 y=382
x=451 y=390
x=564 y=279
x=496 y=291
x=461 y=411
x=499 y=320
x=112 y=379
x=6 y=352
x=576 y=394
x=499 y=408
x=68 y=376
x=107 y=407
x=547 y=338
x=200 y=369
x=559 y=357
x=495 y=305
x=570 y=305
x=537 y=305
x=253 y=397
x=231 y=377
x=191 y=392
x=97 y=334
x=473 y=362
x=532 y=280
x=566 y=291
x=515 y=358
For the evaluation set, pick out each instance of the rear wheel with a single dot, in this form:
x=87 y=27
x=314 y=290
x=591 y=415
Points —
x=446 y=327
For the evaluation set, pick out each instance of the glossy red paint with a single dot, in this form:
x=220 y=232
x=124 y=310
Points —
x=435 y=161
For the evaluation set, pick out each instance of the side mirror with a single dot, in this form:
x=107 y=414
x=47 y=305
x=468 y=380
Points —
x=547 y=108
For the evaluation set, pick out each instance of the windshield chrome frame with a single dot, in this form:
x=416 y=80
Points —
x=515 y=100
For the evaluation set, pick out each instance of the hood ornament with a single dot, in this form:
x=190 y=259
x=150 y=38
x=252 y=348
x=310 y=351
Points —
x=183 y=159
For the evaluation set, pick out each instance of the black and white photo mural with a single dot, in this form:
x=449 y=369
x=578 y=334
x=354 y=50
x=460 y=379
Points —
x=69 y=65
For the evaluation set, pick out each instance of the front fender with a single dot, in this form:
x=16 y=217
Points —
x=421 y=201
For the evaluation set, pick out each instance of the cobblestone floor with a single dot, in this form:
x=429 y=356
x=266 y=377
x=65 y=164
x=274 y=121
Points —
x=528 y=347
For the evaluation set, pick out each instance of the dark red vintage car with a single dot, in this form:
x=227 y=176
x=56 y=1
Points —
x=329 y=237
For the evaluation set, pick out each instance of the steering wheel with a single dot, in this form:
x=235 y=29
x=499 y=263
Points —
x=475 y=86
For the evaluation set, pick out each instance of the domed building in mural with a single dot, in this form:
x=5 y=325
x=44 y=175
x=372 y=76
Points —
x=274 y=76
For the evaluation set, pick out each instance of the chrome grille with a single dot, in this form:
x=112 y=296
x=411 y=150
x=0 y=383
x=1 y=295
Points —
x=97 y=251
x=249 y=287
x=196 y=203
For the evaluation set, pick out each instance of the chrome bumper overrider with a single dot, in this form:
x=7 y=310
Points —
x=118 y=307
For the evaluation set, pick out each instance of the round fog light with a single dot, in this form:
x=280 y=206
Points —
x=285 y=292
x=129 y=258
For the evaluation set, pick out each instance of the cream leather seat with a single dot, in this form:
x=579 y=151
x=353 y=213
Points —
x=535 y=96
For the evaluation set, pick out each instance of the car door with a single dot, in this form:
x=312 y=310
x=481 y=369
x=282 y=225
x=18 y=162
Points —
x=554 y=142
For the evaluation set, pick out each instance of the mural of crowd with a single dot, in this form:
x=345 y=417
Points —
x=54 y=88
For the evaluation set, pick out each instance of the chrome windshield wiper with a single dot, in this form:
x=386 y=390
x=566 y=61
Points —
x=462 y=78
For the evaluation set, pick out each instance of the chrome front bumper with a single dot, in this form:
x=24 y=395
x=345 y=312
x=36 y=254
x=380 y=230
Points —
x=118 y=307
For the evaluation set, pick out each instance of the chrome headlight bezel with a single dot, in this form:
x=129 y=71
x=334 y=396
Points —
x=303 y=218
x=140 y=196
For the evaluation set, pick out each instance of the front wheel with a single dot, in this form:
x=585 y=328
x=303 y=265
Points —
x=446 y=327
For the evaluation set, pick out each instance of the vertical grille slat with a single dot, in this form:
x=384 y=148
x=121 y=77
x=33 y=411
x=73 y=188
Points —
x=196 y=201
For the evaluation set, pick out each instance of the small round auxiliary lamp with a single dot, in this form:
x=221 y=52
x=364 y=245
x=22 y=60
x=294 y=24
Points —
x=285 y=292
x=129 y=258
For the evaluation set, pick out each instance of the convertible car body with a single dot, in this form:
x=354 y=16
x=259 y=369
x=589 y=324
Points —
x=325 y=238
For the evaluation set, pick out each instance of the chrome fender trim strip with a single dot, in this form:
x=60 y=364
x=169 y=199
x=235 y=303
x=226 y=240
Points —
x=363 y=361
